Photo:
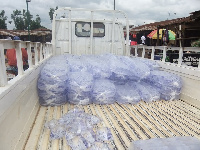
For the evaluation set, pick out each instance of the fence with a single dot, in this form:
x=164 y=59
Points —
x=37 y=52
x=164 y=49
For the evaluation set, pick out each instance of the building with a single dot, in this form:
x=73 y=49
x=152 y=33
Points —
x=187 y=29
x=38 y=35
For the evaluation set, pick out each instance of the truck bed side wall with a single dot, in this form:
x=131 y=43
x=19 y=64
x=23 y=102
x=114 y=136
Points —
x=18 y=119
x=191 y=82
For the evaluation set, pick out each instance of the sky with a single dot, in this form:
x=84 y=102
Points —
x=139 y=12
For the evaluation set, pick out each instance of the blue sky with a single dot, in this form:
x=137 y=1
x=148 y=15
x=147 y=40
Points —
x=139 y=11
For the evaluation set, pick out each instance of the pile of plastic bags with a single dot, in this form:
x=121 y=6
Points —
x=79 y=130
x=182 y=143
x=104 y=79
x=52 y=83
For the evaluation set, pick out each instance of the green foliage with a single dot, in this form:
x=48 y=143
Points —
x=23 y=19
x=196 y=43
x=3 y=19
x=35 y=24
x=51 y=12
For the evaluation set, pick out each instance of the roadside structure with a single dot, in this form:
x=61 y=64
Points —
x=38 y=35
x=187 y=29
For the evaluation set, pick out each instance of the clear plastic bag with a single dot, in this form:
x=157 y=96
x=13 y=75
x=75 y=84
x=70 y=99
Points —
x=175 y=143
x=126 y=94
x=92 y=78
x=52 y=83
x=139 y=70
x=80 y=85
x=168 y=84
x=76 y=63
x=98 y=66
x=57 y=130
x=80 y=81
x=78 y=129
x=147 y=93
x=103 y=92
x=89 y=135
x=99 y=146
x=120 y=71
x=78 y=143
x=152 y=64
x=104 y=134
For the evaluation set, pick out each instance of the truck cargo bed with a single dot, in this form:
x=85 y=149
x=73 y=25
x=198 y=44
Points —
x=127 y=122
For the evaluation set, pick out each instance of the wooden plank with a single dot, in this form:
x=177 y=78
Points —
x=33 y=138
x=127 y=122
x=159 y=119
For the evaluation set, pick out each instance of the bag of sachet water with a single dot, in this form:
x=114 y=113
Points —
x=76 y=63
x=152 y=64
x=169 y=85
x=99 y=146
x=153 y=91
x=78 y=143
x=165 y=79
x=172 y=143
x=97 y=66
x=146 y=93
x=92 y=119
x=89 y=135
x=80 y=85
x=58 y=58
x=57 y=130
x=79 y=125
x=52 y=84
x=104 y=134
x=80 y=81
x=77 y=98
x=170 y=96
x=126 y=94
x=103 y=92
x=139 y=70
x=120 y=71
x=70 y=135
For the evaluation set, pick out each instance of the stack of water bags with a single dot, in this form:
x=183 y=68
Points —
x=81 y=130
x=105 y=79
x=52 y=82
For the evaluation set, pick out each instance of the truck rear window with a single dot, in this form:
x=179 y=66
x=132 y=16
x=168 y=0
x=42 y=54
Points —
x=83 y=29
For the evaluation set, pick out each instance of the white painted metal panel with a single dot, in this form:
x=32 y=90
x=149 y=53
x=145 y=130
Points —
x=18 y=97
x=62 y=29
x=112 y=42
x=18 y=106
x=62 y=36
x=3 y=77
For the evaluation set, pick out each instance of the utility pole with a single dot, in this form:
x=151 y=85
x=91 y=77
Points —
x=28 y=19
x=114 y=4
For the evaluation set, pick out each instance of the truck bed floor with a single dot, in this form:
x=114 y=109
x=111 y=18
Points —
x=127 y=122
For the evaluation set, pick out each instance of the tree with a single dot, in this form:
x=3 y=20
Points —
x=51 y=12
x=22 y=20
x=3 y=19
x=19 y=19
x=35 y=24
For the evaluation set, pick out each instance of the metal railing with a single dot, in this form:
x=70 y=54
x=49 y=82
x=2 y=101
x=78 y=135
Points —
x=37 y=52
x=164 y=50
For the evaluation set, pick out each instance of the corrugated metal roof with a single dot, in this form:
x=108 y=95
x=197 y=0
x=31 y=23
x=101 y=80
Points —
x=38 y=32
x=153 y=26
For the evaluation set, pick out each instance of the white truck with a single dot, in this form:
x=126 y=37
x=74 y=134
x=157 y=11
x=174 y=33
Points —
x=22 y=119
